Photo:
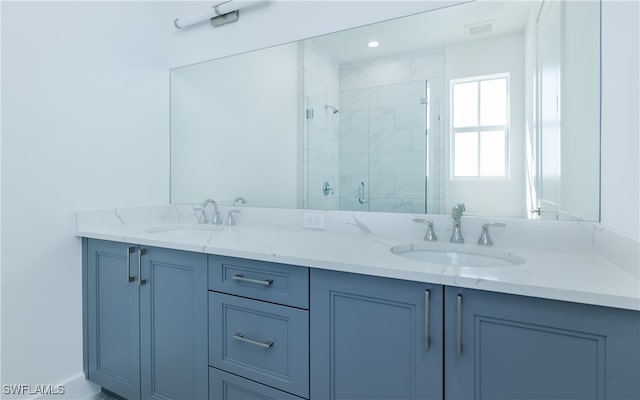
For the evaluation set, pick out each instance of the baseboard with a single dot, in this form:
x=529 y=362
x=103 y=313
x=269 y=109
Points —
x=77 y=388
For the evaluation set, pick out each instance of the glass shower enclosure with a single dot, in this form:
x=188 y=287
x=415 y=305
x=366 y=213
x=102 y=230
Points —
x=368 y=149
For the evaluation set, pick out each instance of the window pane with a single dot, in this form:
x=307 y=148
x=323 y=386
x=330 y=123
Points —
x=466 y=154
x=492 y=153
x=465 y=104
x=493 y=102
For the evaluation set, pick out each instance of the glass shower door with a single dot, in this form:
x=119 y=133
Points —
x=383 y=148
x=397 y=148
x=367 y=150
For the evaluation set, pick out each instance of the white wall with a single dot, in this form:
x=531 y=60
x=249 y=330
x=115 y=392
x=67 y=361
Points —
x=219 y=153
x=620 y=148
x=485 y=57
x=84 y=125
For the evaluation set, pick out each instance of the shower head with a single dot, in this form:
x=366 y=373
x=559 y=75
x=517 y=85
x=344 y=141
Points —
x=332 y=108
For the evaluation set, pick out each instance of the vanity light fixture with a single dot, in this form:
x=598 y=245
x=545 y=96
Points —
x=373 y=44
x=219 y=14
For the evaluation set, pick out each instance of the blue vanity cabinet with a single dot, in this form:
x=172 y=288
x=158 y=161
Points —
x=375 y=338
x=168 y=324
x=111 y=314
x=501 y=346
x=145 y=320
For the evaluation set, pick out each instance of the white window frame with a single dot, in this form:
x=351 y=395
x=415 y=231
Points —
x=480 y=128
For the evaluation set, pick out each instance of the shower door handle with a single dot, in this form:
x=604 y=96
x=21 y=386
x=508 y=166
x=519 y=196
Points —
x=361 y=193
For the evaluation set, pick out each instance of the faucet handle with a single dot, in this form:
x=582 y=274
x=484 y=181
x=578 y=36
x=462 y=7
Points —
x=430 y=236
x=485 y=239
x=202 y=218
x=230 y=220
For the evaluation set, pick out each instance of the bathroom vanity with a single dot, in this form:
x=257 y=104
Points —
x=178 y=311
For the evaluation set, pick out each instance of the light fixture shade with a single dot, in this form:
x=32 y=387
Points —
x=373 y=43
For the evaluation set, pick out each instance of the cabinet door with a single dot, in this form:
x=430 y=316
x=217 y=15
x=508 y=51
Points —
x=112 y=317
x=516 y=347
x=173 y=324
x=369 y=338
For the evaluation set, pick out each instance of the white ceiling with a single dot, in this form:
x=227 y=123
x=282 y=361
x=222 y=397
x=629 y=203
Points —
x=426 y=30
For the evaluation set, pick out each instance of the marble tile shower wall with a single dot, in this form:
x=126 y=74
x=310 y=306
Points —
x=382 y=132
x=321 y=75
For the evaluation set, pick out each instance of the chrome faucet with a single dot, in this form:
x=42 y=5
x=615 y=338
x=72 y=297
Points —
x=240 y=200
x=485 y=239
x=216 y=215
x=456 y=214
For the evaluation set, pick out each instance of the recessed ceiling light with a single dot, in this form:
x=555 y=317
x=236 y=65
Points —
x=373 y=43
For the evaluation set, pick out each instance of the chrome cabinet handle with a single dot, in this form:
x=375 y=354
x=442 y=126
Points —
x=241 y=278
x=141 y=281
x=426 y=321
x=361 y=193
x=240 y=337
x=459 y=328
x=129 y=251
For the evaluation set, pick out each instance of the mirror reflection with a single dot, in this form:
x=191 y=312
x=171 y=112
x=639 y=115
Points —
x=494 y=104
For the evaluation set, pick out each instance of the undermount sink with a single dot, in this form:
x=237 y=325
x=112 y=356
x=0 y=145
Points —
x=456 y=255
x=186 y=230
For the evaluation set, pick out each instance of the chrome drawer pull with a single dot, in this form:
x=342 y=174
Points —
x=141 y=281
x=426 y=321
x=130 y=250
x=241 y=278
x=459 y=326
x=240 y=337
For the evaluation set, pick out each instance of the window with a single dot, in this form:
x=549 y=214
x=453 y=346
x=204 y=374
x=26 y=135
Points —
x=480 y=126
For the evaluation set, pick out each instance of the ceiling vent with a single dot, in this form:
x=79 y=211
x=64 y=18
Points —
x=479 y=28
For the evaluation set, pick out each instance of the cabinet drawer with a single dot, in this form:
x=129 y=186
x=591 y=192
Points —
x=276 y=283
x=265 y=342
x=226 y=386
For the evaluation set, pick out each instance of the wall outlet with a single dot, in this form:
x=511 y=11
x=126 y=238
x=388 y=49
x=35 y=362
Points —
x=314 y=220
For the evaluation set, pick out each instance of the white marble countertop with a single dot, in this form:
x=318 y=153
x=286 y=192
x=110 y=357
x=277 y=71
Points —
x=571 y=272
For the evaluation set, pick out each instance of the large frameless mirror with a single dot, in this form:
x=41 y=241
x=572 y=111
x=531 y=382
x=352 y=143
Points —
x=494 y=104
